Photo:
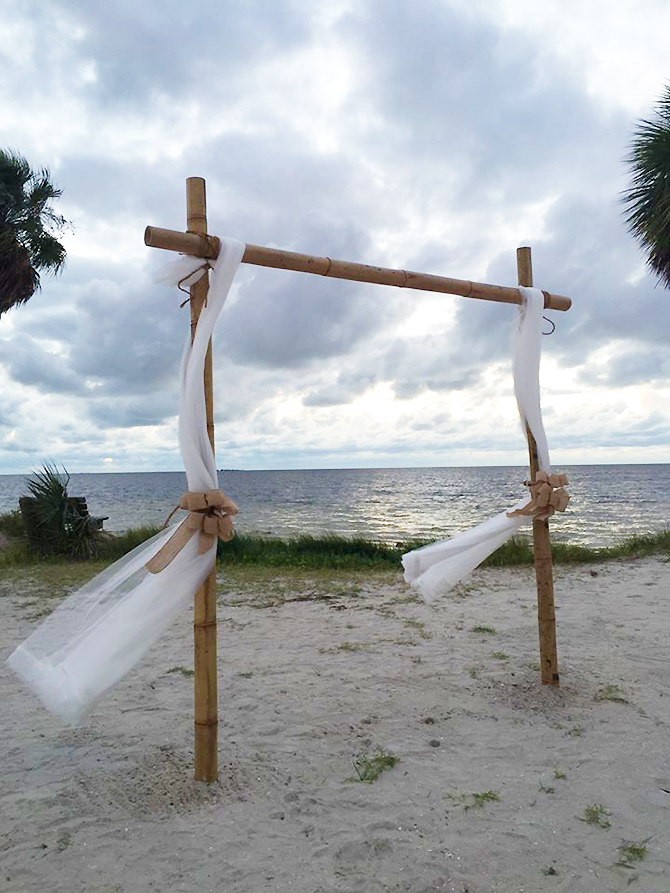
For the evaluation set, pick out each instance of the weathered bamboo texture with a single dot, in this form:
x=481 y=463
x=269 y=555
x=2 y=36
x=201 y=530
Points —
x=206 y=714
x=546 y=613
x=190 y=243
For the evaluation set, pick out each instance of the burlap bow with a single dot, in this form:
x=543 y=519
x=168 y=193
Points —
x=210 y=514
x=547 y=497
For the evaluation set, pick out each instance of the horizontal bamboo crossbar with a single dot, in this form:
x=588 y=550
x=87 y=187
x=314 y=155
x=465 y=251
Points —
x=201 y=246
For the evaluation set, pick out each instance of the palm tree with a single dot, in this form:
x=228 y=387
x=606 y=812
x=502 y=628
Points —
x=27 y=223
x=648 y=198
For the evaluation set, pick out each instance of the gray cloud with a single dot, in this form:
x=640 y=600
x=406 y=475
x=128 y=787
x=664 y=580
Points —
x=429 y=152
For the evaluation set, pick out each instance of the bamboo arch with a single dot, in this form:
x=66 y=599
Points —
x=197 y=242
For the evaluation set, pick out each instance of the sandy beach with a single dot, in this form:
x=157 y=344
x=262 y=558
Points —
x=500 y=784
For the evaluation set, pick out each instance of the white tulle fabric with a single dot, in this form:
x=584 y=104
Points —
x=100 y=632
x=434 y=569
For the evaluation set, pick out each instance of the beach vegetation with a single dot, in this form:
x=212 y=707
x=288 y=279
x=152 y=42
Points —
x=11 y=524
x=559 y=774
x=478 y=801
x=486 y=630
x=55 y=524
x=183 y=671
x=597 y=815
x=341 y=553
x=631 y=852
x=576 y=731
x=344 y=646
x=349 y=646
x=369 y=767
x=611 y=693
x=312 y=551
x=117 y=545
x=547 y=789
x=419 y=626
x=500 y=655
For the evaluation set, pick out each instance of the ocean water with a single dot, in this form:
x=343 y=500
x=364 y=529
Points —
x=608 y=502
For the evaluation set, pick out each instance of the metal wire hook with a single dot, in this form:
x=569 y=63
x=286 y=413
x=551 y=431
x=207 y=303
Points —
x=185 y=278
x=552 y=324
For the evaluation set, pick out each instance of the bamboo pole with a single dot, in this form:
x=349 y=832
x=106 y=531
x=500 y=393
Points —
x=546 y=614
x=191 y=243
x=204 y=612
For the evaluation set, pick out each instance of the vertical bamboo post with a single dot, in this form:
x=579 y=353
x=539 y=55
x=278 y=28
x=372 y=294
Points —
x=204 y=613
x=546 y=614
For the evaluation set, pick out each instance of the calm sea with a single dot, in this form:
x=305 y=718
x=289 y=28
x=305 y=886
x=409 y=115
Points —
x=608 y=503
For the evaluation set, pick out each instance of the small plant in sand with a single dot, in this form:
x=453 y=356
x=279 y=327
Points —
x=344 y=646
x=349 y=646
x=596 y=814
x=549 y=871
x=183 y=671
x=500 y=655
x=631 y=852
x=575 y=731
x=611 y=693
x=547 y=789
x=246 y=675
x=486 y=630
x=559 y=774
x=481 y=799
x=368 y=768
x=419 y=626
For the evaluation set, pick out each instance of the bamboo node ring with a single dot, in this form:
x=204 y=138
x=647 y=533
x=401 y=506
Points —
x=330 y=264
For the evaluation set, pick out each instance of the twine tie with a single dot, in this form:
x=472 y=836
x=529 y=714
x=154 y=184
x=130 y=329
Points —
x=547 y=496
x=210 y=516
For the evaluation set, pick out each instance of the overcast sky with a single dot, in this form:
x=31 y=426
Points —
x=434 y=135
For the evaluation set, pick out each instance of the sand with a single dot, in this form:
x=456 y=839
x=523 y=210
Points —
x=315 y=673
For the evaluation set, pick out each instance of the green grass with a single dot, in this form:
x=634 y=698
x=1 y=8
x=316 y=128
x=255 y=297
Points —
x=345 y=646
x=486 y=630
x=481 y=799
x=11 y=524
x=313 y=552
x=611 y=693
x=336 y=552
x=117 y=545
x=369 y=768
x=596 y=814
x=631 y=852
x=183 y=671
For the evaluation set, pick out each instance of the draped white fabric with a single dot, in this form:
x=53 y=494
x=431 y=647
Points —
x=100 y=632
x=434 y=569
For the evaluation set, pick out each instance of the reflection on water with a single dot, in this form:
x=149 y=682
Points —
x=608 y=501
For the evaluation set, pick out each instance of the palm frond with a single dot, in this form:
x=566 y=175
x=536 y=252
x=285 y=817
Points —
x=27 y=226
x=58 y=525
x=647 y=200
